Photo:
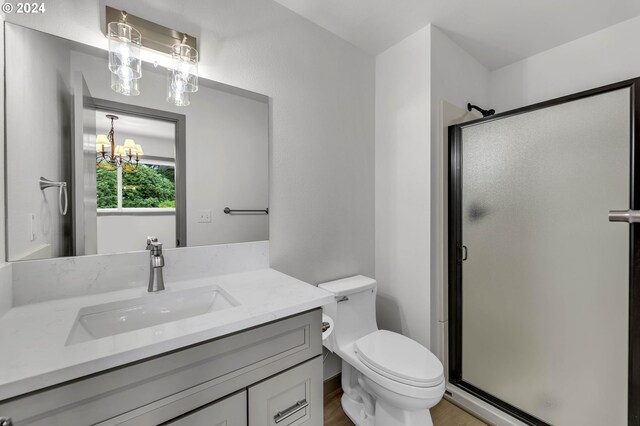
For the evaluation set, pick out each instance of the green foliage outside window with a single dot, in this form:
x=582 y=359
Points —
x=147 y=186
x=106 y=188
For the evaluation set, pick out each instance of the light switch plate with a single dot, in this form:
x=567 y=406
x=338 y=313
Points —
x=204 y=216
x=32 y=226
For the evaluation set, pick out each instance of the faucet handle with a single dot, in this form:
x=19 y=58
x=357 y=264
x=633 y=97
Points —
x=150 y=241
x=156 y=249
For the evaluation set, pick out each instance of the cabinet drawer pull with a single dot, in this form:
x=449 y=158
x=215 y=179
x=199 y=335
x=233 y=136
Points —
x=282 y=415
x=5 y=421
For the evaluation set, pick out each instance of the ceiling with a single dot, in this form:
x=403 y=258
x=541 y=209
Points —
x=495 y=32
x=130 y=126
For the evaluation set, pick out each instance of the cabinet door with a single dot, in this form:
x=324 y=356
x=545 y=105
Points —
x=291 y=398
x=231 y=411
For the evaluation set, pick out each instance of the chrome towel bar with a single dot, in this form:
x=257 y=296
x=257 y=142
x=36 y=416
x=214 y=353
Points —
x=227 y=210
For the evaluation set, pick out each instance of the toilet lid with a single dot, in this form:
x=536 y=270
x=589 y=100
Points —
x=399 y=358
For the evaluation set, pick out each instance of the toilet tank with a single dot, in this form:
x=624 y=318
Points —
x=354 y=309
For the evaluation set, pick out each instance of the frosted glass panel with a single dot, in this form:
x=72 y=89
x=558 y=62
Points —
x=545 y=285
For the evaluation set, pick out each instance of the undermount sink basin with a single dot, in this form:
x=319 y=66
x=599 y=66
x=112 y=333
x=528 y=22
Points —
x=108 y=319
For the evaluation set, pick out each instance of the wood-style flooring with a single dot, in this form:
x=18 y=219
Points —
x=443 y=414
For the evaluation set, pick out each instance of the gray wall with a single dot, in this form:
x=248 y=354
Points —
x=322 y=118
x=39 y=110
x=3 y=255
x=226 y=145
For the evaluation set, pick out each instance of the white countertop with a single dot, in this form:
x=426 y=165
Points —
x=33 y=337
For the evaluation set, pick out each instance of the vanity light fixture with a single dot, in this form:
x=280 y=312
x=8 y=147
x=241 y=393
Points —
x=125 y=62
x=113 y=156
x=132 y=39
x=124 y=87
x=182 y=78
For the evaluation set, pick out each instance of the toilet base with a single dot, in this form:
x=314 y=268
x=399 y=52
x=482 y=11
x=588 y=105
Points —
x=391 y=416
x=368 y=404
x=356 y=412
x=384 y=416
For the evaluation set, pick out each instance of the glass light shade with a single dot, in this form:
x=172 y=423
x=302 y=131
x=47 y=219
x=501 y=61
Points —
x=124 y=87
x=124 y=51
x=178 y=98
x=184 y=73
x=129 y=143
x=120 y=150
x=139 y=150
x=182 y=78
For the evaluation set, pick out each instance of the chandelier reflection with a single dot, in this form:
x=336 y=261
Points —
x=111 y=156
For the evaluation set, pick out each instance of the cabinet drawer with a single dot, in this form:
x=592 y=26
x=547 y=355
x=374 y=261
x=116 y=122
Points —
x=194 y=409
x=231 y=411
x=291 y=398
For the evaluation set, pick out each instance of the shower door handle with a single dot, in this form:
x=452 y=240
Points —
x=629 y=216
x=463 y=253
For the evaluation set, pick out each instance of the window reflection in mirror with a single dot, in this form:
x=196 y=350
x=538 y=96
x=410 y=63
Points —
x=138 y=198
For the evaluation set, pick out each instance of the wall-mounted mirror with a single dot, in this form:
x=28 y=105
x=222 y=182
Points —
x=194 y=162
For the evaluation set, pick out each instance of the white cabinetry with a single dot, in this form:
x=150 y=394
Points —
x=291 y=398
x=231 y=411
x=279 y=363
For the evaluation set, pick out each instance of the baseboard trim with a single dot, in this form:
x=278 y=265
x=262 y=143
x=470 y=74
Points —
x=332 y=384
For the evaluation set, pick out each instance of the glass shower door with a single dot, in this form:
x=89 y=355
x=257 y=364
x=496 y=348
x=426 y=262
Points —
x=540 y=277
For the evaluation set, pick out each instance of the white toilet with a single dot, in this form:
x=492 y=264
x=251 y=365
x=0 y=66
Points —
x=387 y=378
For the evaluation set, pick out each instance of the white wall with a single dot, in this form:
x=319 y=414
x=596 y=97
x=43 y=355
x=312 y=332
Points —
x=322 y=117
x=402 y=178
x=604 y=57
x=413 y=80
x=456 y=79
x=124 y=233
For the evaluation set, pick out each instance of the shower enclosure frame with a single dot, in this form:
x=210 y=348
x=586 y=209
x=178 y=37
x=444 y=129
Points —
x=456 y=252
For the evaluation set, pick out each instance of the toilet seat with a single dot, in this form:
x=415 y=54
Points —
x=399 y=358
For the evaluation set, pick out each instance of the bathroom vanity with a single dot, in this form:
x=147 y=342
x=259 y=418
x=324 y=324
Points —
x=214 y=336
x=254 y=360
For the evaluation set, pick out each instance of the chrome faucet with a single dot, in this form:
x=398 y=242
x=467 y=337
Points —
x=156 y=263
